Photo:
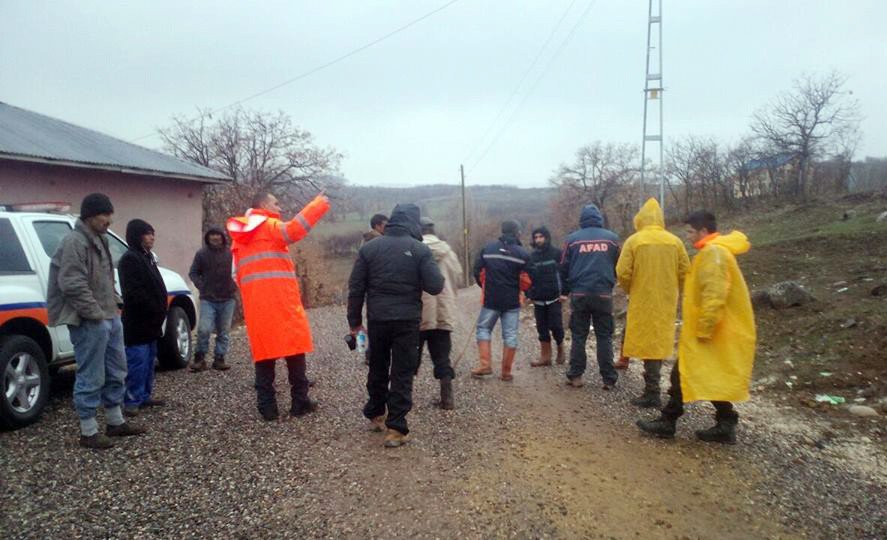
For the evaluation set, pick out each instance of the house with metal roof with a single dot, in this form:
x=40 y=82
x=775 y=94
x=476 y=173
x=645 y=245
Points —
x=46 y=159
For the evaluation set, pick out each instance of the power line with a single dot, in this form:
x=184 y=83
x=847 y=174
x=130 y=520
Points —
x=551 y=60
x=520 y=82
x=325 y=65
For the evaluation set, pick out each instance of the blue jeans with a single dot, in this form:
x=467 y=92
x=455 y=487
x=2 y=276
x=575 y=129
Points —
x=101 y=371
x=140 y=373
x=214 y=316
x=486 y=321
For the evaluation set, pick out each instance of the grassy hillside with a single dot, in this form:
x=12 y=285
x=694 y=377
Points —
x=838 y=344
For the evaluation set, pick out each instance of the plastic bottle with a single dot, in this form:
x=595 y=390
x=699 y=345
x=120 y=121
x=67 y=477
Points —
x=361 y=342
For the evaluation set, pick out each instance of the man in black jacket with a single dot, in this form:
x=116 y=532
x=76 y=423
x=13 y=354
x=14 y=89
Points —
x=500 y=270
x=211 y=274
x=390 y=273
x=545 y=293
x=144 y=310
x=588 y=271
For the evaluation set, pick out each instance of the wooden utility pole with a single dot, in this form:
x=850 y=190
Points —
x=466 y=264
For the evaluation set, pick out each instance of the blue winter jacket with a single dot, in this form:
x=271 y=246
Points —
x=588 y=263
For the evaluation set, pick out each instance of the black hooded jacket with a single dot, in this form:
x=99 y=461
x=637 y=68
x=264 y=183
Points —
x=392 y=271
x=544 y=270
x=144 y=293
x=211 y=270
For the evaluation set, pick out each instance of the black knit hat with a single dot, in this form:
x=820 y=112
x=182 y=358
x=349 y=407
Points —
x=511 y=227
x=95 y=204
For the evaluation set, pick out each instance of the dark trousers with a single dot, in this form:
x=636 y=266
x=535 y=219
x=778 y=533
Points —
x=265 y=396
x=675 y=407
x=394 y=357
x=549 y=322
x=439 y=347
x=588 y=310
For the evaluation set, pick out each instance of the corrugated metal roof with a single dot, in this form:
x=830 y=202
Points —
x=776 y=161
x=29 y=136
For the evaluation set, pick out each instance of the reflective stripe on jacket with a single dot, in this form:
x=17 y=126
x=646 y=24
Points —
x=276 y=321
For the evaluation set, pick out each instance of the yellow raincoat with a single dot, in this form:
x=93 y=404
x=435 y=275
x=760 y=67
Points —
x=651 y=269
x=717 y=345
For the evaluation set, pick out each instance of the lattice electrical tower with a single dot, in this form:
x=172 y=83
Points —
x=653 y=93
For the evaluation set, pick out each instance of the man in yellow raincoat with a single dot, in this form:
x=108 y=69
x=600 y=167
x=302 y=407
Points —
x=651 y=270
x=716 y=350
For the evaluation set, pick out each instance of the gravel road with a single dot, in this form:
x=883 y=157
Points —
x=531 y=459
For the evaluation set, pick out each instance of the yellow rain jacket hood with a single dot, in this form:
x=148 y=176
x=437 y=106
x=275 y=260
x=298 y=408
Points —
x=651 y=269
x=717 y=345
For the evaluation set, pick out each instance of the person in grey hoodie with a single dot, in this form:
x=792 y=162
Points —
x=81 y=296
x=211 y=274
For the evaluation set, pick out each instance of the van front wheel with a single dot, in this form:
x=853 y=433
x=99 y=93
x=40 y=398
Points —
x=175 y=345
x=24 y=381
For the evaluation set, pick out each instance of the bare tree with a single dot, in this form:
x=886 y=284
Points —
x=599 y=173
x=739 y=162
x=809 y=121
x=260 y=151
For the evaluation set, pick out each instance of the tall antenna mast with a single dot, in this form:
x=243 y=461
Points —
x=653 y=92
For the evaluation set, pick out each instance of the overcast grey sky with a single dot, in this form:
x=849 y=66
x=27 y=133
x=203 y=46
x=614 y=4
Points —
x=410 y=109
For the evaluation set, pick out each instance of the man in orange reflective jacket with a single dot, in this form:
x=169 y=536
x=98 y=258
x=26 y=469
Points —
x=276 y=322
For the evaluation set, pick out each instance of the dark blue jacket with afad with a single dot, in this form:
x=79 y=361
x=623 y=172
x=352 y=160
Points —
x=502 y=263
x=588 y=264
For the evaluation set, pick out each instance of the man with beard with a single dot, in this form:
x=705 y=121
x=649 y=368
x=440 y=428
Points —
x=545 y=294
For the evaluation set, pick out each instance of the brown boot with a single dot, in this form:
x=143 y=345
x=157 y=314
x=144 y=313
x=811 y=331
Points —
x=219 y=363
x=377 y=424
x=544 y=355
x=394 y=438
x=96 y=442
x=199 y=363
x=484 y=360
x=446 y=394
x=560 y=354
x=622 y=363
x=507 y=362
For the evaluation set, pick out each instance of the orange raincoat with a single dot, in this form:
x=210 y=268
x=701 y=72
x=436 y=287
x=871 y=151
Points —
x=276 y=322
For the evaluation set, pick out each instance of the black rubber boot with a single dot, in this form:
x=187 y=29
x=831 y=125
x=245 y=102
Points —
x=647 y=401
x=302 y=409
x=724 y=432
x=663 y=427
x=269 y=412
x=446 y=394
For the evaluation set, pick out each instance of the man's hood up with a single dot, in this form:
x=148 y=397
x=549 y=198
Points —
x=591 y=217
x=135 y=230
x=543 y=230
x=736 y=242
x=649 y=215
x=404 y=220
x=215 y=230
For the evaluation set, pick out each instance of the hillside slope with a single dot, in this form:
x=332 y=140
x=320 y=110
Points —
x=835 y=345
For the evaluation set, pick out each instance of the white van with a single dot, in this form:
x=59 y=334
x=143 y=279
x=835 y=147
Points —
x=30 y=351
